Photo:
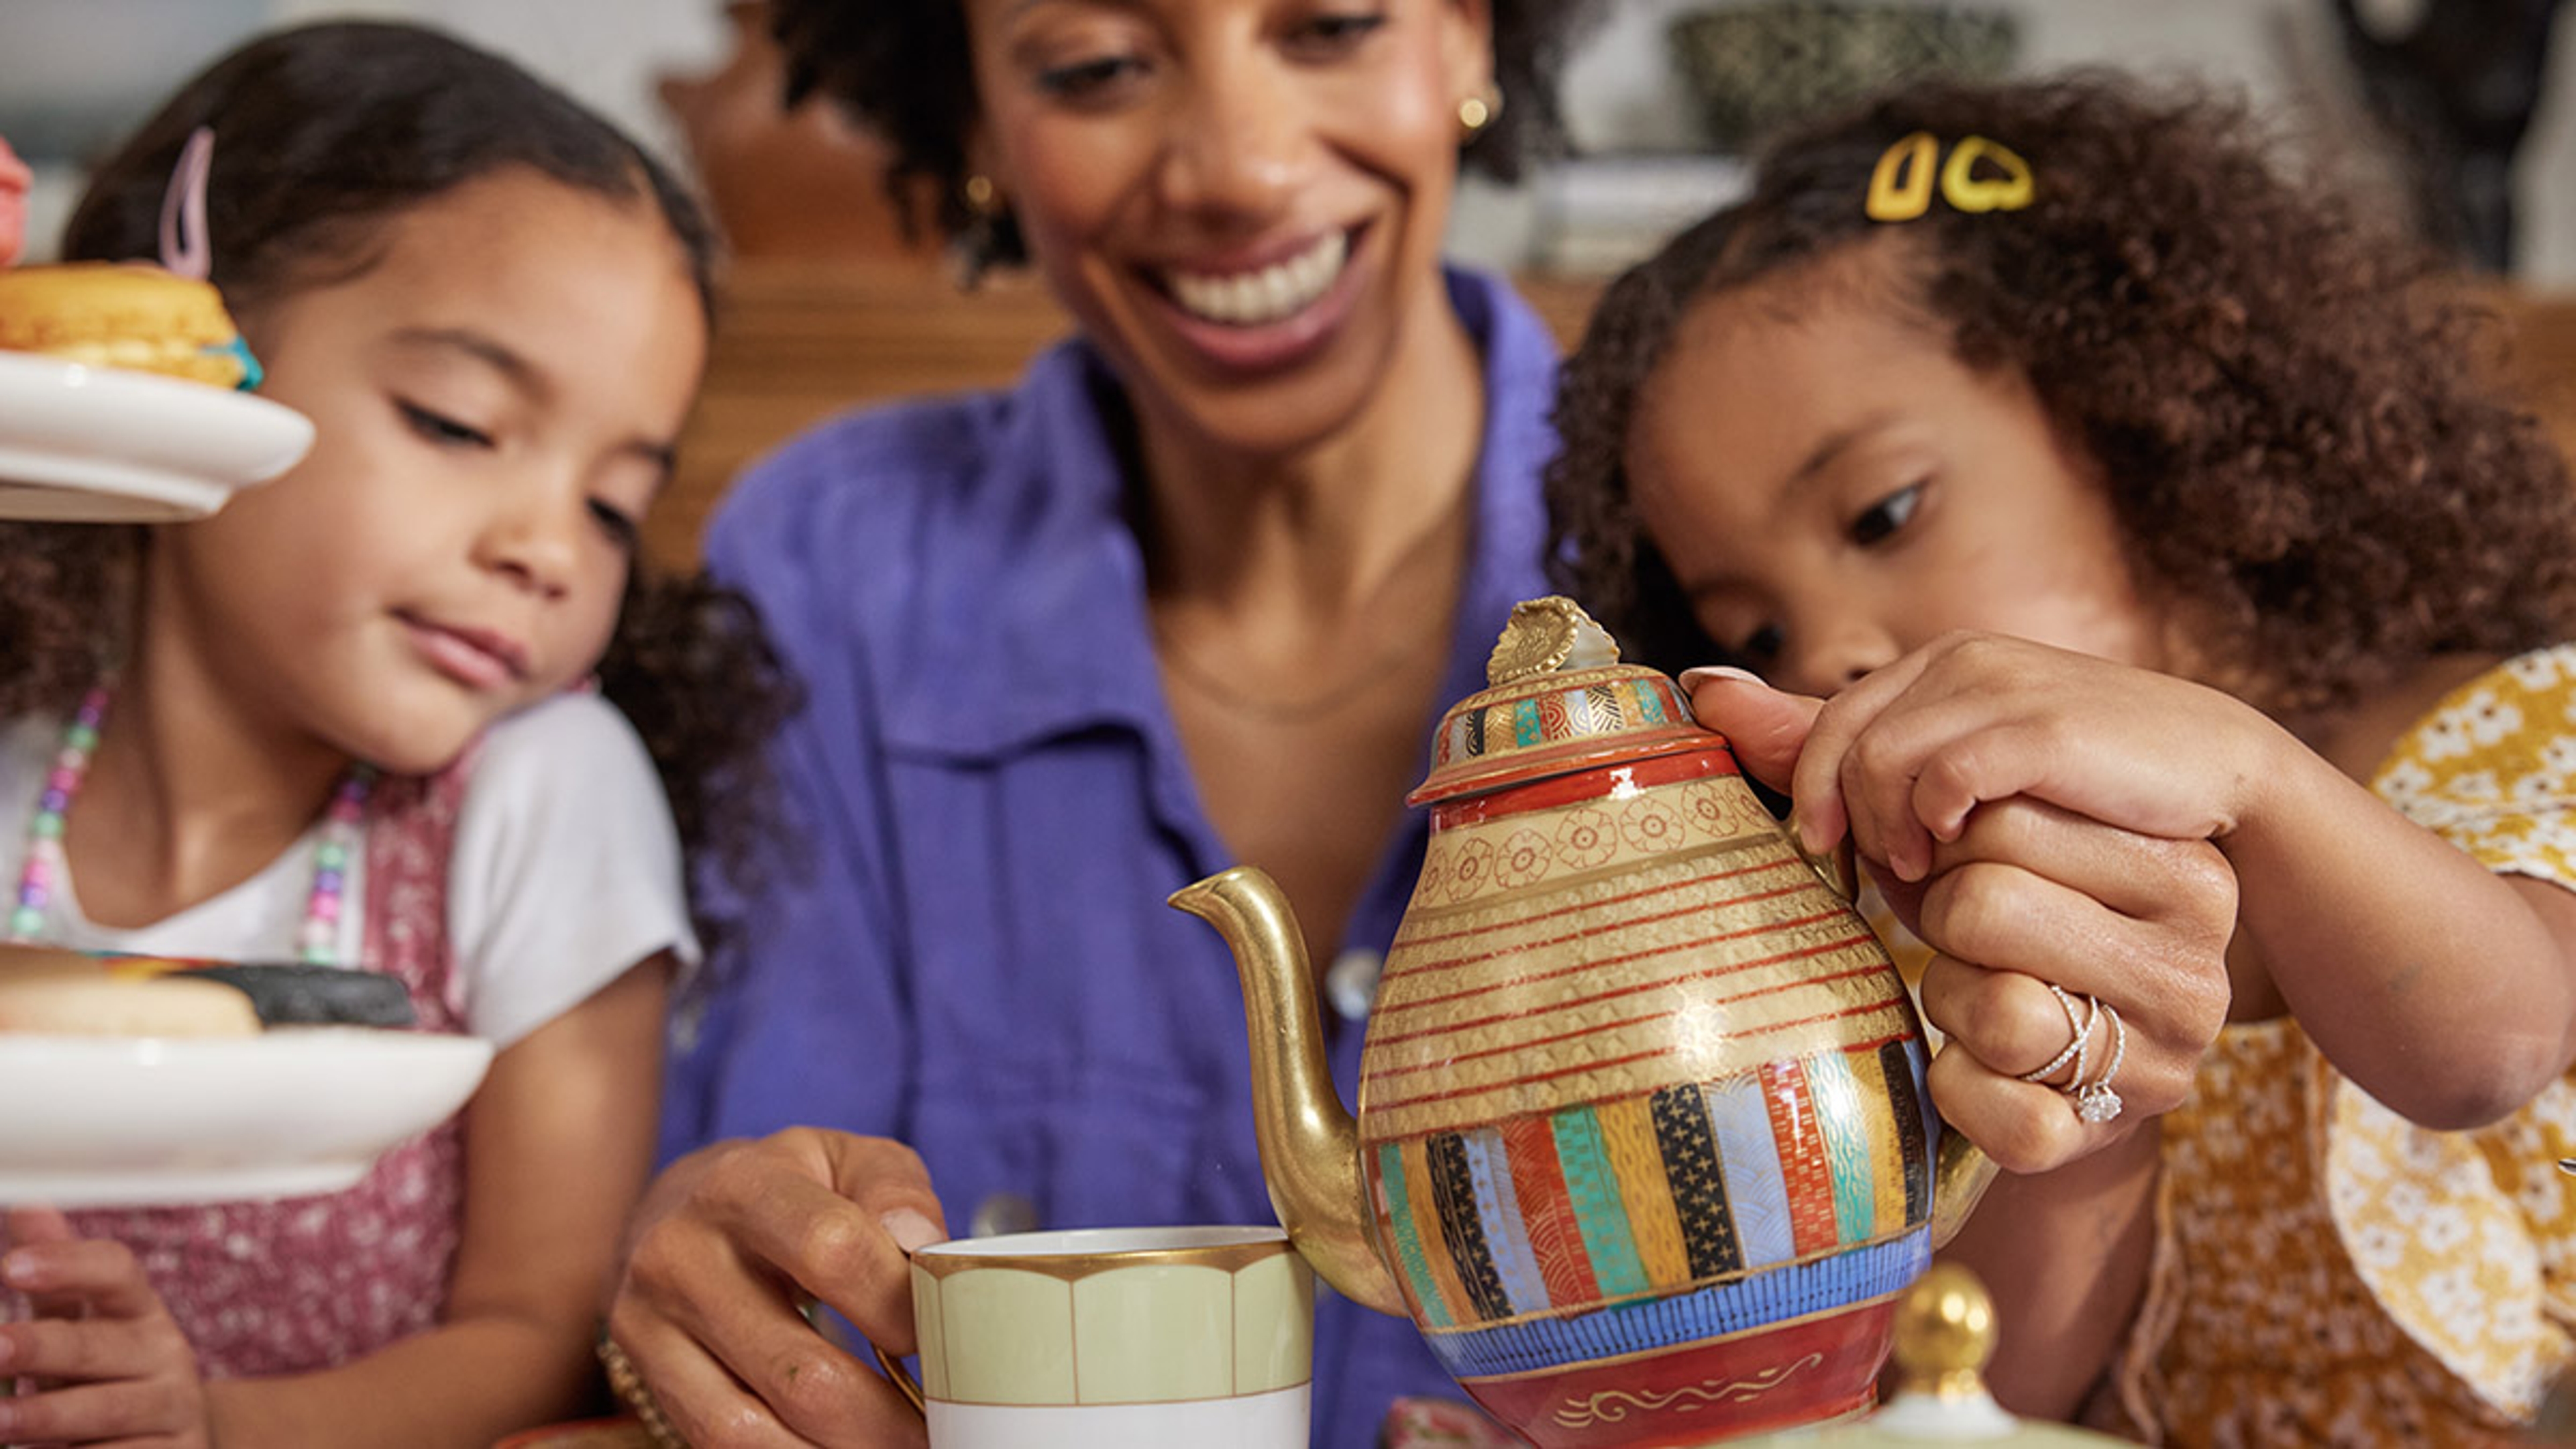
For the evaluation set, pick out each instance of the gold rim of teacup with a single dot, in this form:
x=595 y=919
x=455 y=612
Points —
x=943 y=1260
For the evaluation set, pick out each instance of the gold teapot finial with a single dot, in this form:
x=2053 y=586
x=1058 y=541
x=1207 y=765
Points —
x=1548 y=634
x=1945 y=1334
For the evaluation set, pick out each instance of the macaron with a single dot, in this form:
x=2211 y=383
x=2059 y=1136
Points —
x=14 y=180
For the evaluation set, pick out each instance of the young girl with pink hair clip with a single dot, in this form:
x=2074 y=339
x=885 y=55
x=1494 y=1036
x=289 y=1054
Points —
x=413 y=706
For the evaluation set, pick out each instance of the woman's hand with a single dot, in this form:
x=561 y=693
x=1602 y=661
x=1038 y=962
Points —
x=110 y=1364
x=731 y=1243
x=2015 y=895
x=2028 y=896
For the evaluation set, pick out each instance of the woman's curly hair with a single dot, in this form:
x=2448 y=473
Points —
x=903 y=69
x=2301 y=438
x=327 y=134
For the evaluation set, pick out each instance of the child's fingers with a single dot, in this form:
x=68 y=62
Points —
x=94 y=1350
x=135 y=1411
x=20 y=1225
x=1849 y=779
x=99 y=1275
x=1765 y=727
x=1966 y=720
x=1989 y=718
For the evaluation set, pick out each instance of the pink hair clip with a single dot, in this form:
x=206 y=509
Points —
x=184 y=247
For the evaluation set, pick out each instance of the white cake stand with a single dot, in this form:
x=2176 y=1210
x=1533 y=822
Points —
x=101 y=444
x=127 y=1121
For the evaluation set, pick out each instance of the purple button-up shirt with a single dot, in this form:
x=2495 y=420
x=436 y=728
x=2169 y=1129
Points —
x=966 y=946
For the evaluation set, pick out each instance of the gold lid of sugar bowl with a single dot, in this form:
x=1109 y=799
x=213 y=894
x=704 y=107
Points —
x=1557 y=700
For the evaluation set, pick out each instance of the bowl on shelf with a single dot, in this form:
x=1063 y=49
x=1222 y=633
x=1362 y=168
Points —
x=1760 y=64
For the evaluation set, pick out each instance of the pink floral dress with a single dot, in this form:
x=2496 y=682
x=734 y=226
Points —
x=312 y=1282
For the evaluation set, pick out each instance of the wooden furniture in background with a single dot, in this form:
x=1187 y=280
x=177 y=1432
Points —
x=804 y=183
x=796 y=343
x=2540 y=358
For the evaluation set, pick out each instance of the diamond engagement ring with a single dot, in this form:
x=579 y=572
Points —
x=2095 y=1101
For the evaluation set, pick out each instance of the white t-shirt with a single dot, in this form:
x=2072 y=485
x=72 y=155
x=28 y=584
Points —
x=566 y=871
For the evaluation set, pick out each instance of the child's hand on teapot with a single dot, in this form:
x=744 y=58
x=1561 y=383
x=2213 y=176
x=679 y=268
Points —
x=2019 y=896
x=1903 y=755
x=110 y=1363
x=732 y=1244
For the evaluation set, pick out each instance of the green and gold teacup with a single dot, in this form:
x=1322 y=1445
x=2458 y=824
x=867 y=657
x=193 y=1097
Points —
x=1116 y=1338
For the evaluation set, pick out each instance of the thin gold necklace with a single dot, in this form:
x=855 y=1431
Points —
x=1380 y=669
x=1181 y=666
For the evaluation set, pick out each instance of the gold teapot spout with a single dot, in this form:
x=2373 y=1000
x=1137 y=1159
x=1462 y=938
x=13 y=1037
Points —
x=1309 y=1144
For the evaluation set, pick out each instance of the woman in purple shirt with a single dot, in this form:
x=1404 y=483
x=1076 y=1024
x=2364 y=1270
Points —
x=1192 y=592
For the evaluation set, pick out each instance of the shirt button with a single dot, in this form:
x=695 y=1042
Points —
x=1002 y=1212
x=1351 y=984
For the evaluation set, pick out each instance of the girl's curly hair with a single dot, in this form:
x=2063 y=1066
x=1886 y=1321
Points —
x=903 y=68
x=327 y=134
x=2298 y=430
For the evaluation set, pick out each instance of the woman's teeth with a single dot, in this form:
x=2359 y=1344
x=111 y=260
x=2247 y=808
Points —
x=1250 y=299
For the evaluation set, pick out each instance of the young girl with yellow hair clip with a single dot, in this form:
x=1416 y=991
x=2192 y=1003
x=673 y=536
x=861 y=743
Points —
x=2115 y=470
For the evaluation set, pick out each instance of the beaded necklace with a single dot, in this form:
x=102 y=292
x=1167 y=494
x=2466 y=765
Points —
x=315 y=940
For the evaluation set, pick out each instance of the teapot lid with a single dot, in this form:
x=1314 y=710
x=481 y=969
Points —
x=1945 y=1335
x=1557 y=700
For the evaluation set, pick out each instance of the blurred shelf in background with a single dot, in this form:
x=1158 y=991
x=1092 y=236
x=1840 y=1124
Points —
x=1597 y=215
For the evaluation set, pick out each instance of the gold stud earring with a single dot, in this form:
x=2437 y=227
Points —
x=978 y=245
x=1477 y=112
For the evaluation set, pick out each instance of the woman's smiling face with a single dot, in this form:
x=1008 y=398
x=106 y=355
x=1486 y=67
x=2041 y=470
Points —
x=1242 y=201
x=1832 y=486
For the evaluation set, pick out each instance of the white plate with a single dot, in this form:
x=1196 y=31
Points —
x=119 y=1121
x=106 y=445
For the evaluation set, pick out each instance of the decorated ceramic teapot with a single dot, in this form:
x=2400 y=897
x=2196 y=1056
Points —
x=1643 y=1145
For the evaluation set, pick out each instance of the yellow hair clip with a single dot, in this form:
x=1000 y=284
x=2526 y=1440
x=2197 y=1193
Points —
x=1900 y=188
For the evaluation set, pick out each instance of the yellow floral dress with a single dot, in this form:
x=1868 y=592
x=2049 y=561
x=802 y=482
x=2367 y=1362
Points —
x=2326 y=1272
